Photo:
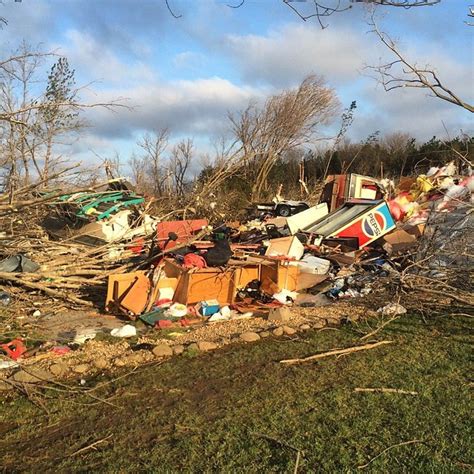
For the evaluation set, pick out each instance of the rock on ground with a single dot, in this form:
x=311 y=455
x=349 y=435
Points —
x=278 y=331
x=178 y=349
x=5 y=387
x=81 y=368
x=100 y=363
x=333 y=320
x=319 y=323
x=288 y=330
x=249 y=336
x=32 y=375
x=58 y=369
x=206 y=346
x=193 y=347
x=162 y=350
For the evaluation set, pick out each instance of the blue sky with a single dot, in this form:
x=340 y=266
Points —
x=187 y=73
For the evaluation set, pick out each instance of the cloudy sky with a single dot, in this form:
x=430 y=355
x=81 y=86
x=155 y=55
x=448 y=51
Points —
x=186 y=73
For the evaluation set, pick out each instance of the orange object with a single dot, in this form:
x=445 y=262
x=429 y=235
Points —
x=128 y=293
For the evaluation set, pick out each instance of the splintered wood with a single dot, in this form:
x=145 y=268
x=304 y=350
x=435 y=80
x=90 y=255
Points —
x=336 y=352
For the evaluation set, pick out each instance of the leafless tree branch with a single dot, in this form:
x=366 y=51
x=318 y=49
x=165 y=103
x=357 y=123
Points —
x=402 y=73
x=173 y=14
x=400 y=3
x=471 y=15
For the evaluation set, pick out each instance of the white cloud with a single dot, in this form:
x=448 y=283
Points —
x=98 y=62
x=185 y=107
x=288 y=54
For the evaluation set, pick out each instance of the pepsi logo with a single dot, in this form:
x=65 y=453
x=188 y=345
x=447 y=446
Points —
x=373 y=224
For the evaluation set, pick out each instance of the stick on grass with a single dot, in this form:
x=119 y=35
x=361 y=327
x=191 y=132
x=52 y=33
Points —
x=336 y=352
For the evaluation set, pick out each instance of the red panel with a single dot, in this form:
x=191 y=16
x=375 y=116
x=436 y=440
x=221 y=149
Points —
x=183 y=229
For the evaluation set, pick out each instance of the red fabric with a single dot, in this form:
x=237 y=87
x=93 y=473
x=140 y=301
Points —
x=163 y=324
x=191 y=260
x=61 y=350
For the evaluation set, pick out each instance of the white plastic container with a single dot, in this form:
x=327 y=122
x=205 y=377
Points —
x=314 y=265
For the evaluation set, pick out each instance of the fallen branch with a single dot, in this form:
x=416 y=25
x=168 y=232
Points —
x=349 y=350
x=49 y=291
x=363 y=466
x=297 y=463
x=375 y=331
x=90 y=446
x=384 y=390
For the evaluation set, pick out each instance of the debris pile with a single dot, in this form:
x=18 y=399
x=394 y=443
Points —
x=173 y=280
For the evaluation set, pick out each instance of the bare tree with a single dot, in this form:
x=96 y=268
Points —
x=181 y=157
x=31 y=121
x=138 y=170
x=154 y=145
x=403 y=73
x=286 y=121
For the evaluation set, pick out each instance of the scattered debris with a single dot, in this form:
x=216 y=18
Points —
x=186 y=285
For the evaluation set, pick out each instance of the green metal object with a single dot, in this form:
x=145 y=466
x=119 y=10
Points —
x=100 y=199
x=113 y=209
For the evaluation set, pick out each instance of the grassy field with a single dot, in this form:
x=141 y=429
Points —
x=239 y=410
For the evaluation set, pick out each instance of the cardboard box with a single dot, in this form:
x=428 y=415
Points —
x=285 y=246
x=399 y=241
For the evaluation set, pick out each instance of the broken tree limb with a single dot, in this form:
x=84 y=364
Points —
x=335 y=352
x=385 y=390
x=90 y=446
x=375 y=331
x=49 y=291
x=413 y=441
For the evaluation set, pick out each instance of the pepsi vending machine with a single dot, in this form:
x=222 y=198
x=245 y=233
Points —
x=366 y=220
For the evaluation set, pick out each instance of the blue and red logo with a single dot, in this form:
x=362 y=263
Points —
x=374 y=224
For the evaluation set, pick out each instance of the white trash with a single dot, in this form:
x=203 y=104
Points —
x=218 y=317
x=84 y=335
x=125 y=331
x=177 y=310
x=246 y=315
x=392 y=309
x=314 y=265
x=285 y=296
x=8 y=364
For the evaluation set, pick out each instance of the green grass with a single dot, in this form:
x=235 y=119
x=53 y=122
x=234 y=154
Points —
x=239 y=410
